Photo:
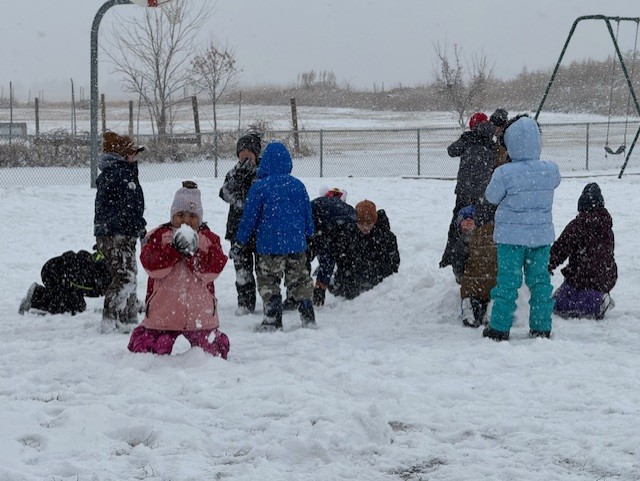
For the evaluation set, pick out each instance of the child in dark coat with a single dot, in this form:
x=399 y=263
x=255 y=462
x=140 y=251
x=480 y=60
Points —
x=477 y=268
x=500 y=119
x=234 y=191
x=118 y=224
x=476 y=150
x=330 y=213
x=588 y=242
x=67 y=279
x=367 y=254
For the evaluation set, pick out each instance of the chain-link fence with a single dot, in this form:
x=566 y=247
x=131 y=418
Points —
x=60 y=158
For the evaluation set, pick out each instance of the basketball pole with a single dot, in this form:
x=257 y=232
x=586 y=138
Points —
x=95 y=143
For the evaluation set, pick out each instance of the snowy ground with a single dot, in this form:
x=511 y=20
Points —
x=390 y=387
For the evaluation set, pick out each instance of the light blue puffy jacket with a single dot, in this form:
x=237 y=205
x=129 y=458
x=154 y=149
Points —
x=523 y=189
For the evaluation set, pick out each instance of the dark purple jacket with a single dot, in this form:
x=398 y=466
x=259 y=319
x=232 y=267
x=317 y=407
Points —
x=588 y=243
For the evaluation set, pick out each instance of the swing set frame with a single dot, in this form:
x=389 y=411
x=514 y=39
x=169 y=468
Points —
x=607 y=20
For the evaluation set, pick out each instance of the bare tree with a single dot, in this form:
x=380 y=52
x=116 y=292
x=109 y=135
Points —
x=463 y=84
x=312 y=80
x=215 y=72
x=153 y=53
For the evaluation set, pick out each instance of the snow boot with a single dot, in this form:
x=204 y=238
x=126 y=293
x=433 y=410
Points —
x=307 y=314
x=242 y=311
x=246 y=298
x=479 y=311
x=26 y=302
x=605 y=305
x=272 y=320
x=466 y=313
x=491 y=333
x=541 y=334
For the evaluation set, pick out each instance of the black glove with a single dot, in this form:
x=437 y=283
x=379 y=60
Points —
x=236 y=251
x=186 y=246
x=245 y=173
x=245 y=177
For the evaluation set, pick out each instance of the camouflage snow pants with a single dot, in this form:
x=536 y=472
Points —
x=293 y=267
x=121 y=297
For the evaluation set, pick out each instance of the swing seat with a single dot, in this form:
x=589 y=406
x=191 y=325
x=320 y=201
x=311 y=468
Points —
x=619 y=151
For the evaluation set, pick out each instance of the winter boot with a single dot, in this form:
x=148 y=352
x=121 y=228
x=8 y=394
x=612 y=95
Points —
x=272 y=320
x=606 y=304
x=242 y=311
x=125 y=327
x=466 y=313
x=479 y=311
x=26 y=302
x=541 y=334
x=246 y=299
x=491 y=333
x=107 y=325
x=307 y=315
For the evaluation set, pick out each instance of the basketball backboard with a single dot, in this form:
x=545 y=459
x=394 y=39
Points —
x=151 y=3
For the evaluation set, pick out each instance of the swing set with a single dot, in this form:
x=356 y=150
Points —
x=629 y=78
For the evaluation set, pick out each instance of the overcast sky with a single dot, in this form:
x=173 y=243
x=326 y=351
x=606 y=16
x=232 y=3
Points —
x=364 y=42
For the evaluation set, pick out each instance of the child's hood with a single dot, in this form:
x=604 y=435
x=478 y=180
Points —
x=107 y=160
x=522 y=139
x=275 y=160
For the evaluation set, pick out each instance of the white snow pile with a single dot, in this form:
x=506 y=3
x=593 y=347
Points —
x=390 y=387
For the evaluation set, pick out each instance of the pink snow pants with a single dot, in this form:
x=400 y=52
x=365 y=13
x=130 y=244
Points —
x=161 y=342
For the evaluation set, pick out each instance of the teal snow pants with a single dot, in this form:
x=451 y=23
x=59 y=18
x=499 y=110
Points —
x=512 y=260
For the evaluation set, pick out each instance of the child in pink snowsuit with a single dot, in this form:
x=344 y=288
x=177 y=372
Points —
x=182 y=258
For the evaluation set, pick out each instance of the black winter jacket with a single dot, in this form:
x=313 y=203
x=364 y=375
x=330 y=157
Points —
x=234 y=191
x=363 y=261
x=119 y=204
x=82 y=271
x=476 y=150
x=330 y=215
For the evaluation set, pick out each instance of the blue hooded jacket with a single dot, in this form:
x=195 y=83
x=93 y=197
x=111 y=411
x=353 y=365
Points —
x=523 y=189
x=277 y=208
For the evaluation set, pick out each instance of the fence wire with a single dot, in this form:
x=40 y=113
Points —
x=61 y=158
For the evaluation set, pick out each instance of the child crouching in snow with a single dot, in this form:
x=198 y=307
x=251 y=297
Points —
x=592 y=272
x=182 y=258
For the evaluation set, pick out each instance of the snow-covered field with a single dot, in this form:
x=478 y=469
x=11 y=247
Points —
x=390 y=387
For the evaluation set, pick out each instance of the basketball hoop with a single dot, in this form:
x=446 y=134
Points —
x=151 y=3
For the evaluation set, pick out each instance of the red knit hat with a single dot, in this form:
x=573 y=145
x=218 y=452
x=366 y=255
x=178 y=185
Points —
x=476 y=119
x=337 y=193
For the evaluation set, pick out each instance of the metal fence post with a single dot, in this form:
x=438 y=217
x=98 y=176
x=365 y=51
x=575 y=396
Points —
x=215 y=153
x=586 y=164
x=321 y=151
x=418 y=132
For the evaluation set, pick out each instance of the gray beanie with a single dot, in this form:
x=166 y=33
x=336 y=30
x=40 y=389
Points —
x=187 y=199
